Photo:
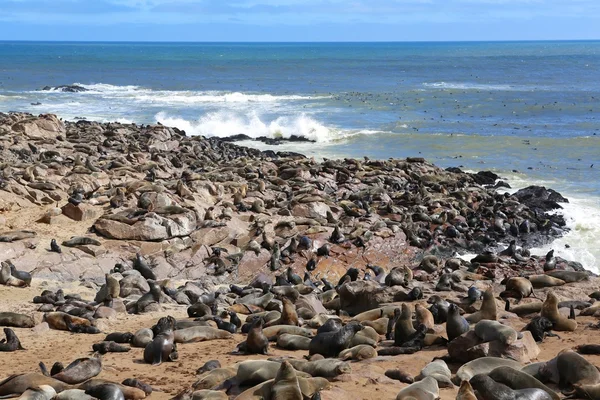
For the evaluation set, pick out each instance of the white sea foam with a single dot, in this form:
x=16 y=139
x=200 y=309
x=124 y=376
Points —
x=227 y=123
x=479 y=86
x=166 y=97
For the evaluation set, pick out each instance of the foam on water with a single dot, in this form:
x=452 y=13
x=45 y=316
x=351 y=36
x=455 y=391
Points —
x=479 y=86
x=228 y=123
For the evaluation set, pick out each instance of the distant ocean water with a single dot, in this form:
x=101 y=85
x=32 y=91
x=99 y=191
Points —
x=529 y=111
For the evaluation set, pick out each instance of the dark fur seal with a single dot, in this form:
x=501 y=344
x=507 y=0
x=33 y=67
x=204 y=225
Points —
x=331 y=325
x=80 y=370
x=54 y=246
x=15 y=320
x=517 y=380
x=330 y=344
x=142 y=266
x=109 y=347
x=488 y=389
x=81 y=241
x=162 y=348
x=12 y=342
x=208 y=366
x=456 y=324
x=119 y=337
x=256 y=342
x=136 y=383
x=404 y=326
x=106 y=391
x=399 y=375
x=588 y=349
x=540 y=327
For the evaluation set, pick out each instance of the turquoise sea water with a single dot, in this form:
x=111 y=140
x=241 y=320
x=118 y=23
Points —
x=528 y=110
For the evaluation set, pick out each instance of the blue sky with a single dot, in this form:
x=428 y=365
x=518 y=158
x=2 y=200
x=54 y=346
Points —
x=299 y=20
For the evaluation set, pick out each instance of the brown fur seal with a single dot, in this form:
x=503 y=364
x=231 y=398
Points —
x=367 y=335
x=81 y=241
x=293 y=342
x=6 y=277
x=163 y=347
x=550 y=311
x=43 y=392
x=404 y=326
x=286 y=386
x=256 y=342
x=489 y=331
x=288 y=314
x=427 y=389
x=488 y=308
x=273 y=332
x=325 y=368
x=380 y=325
x=572 y=369
x=524 y=309
x=12 y=342
x=253 y=372
x=130 y=393
x=215 y=377
x=482 y=365
x=424 y=316
x=438 y=370
x=517 y=380
x=358 y=353
x=399 y=375
x=569 y=276
x=60 y=320
x=542 y=281
x=308 y=387
x=517 y=287
x=199 y=334
x=330 y=344
x=17 y=384
x=80 y=370
x=465 y=392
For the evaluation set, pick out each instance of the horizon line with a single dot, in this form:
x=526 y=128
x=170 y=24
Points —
x=298 y=41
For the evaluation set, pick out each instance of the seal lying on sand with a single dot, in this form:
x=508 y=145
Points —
x=163 y=347
x=11 y=343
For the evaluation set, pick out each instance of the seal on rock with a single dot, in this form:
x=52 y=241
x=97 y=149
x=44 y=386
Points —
x=488 y=308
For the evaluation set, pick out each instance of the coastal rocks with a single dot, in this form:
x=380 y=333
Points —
x=153 y=227
x=79 y=212
x=360 y=296
x=65 y=88
x=469 y=346
x=46 y=126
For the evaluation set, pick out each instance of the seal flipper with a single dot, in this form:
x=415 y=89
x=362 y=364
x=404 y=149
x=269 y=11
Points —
x=507 y=305
x=44 y=369
x=56 y=368
x=572 y=313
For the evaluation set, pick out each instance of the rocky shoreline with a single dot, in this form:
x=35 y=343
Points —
x=145 y=245
x=151 y=189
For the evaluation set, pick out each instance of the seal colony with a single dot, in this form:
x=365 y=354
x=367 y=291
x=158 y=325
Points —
x=299 y=278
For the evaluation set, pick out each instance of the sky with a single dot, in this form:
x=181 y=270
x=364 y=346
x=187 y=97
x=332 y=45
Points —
x=299 y=20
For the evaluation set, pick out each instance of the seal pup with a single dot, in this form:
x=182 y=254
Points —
x=54 y=247
x=106 y=391
x=466 y=392
x=162 y=347
x=540 y=328
x=550 y=262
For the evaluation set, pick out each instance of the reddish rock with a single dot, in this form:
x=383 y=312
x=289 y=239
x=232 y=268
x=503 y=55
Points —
x=81 y=212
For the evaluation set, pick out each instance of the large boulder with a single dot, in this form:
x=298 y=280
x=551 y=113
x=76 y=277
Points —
x=47 y=126
x=469 y=346
x=153 y=227
x=316 y=209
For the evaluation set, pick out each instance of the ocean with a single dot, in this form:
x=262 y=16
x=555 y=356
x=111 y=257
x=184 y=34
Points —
x=529 y=111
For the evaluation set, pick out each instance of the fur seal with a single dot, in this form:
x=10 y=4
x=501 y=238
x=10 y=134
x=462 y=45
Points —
x=358 y=353
x=456 y=324
x=523 y=309
x=6 y=277
x=273 y=332
x=489 y=331
x=572 y=369
x=18 y=384
x=14 y=320
x=325 y=368
x=517 y=380
x=542 y=281
x=588 y=349
x=540 y=327
x=424 y=316
x=130 y=393
x=106 y=391
x=438 y=370
x=12 y=342
x=253 y=372
x=142 y=337
x=404 y=326
x=119 y=337
x=399 y=375
x=427 y=389
x=162 y=347
x=199 y=334
x=286 y=386
x=61 y=321
x=466 y=392
x=380 y=325
x=80 y=370
x=569 y=276
x=518 y=288
x=483 y=365
x=142 y=266
x=330 y=344
x=550 y=311
x=489 y=389
x=293 y=342
x=43 y=392
x=109 y=347
x=488 y=308
x=256 y=342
